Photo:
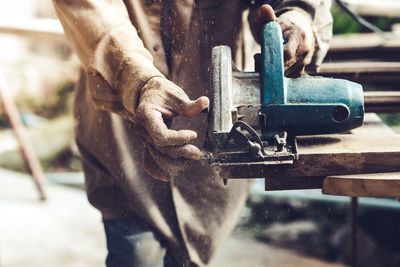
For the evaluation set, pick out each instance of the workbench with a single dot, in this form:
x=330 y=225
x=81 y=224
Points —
x=385 y=183
x=341 y=164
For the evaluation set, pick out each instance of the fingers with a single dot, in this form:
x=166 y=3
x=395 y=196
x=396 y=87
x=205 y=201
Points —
x=290 y=48
x=295 y=49
x=160 y=101
x=187 y=151
x=296 y=70
x=294 y=57
x=193 y=108
x=153 y=123
x=163 y=163
x=294 y=67
x=265 y=13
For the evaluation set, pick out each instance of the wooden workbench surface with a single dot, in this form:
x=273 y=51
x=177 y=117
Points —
x=373 y=148
x=371 y=184
x=363 y=185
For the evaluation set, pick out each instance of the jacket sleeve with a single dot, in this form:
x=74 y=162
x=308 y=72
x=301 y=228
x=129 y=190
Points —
x=317 y=12
x=107 y=44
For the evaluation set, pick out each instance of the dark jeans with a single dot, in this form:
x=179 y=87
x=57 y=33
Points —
x=134 y=244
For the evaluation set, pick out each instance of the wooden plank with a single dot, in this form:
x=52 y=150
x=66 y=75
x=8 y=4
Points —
x=330 y=155
x=385 y=8
x=364 y=42
x=360 y=67
x=363 y=185
x=376 y=81
x=364 y=72
x=382 y=102
x=364 y=46
x=365 y=58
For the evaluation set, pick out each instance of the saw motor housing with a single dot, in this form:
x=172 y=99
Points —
x=255 y=116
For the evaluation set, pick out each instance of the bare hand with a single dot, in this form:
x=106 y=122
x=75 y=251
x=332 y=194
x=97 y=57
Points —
x=168 y=152
x=298 y=36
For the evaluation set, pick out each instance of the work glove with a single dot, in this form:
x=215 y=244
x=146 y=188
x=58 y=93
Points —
x=297 y=34
x=167 y=152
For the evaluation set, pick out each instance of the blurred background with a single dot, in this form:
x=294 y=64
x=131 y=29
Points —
x=286 y=228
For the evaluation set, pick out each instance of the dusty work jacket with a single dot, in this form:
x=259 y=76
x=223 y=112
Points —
x=121 y=45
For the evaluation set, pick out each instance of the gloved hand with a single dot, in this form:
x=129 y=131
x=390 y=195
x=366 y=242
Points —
x=298 y=34
x=168 y=152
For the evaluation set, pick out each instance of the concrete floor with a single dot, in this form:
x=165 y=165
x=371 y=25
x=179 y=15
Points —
x=64 y=231
x=67 y=232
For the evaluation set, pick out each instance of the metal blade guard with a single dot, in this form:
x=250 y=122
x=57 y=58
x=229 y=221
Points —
x=255 y=116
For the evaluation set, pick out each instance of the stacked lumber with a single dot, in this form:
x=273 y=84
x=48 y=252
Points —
x=366 y=58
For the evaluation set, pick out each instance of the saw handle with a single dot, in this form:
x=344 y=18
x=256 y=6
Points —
x=272 y=85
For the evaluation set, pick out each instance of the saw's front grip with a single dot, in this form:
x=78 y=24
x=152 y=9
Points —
x=222 y=91
x=272 y=68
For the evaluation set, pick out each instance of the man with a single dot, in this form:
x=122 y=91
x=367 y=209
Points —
x=143 y=61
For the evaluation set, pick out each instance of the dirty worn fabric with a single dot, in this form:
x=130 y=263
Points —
x=122 y=45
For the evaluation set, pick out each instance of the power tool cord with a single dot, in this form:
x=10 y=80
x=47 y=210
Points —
x=359 y=19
